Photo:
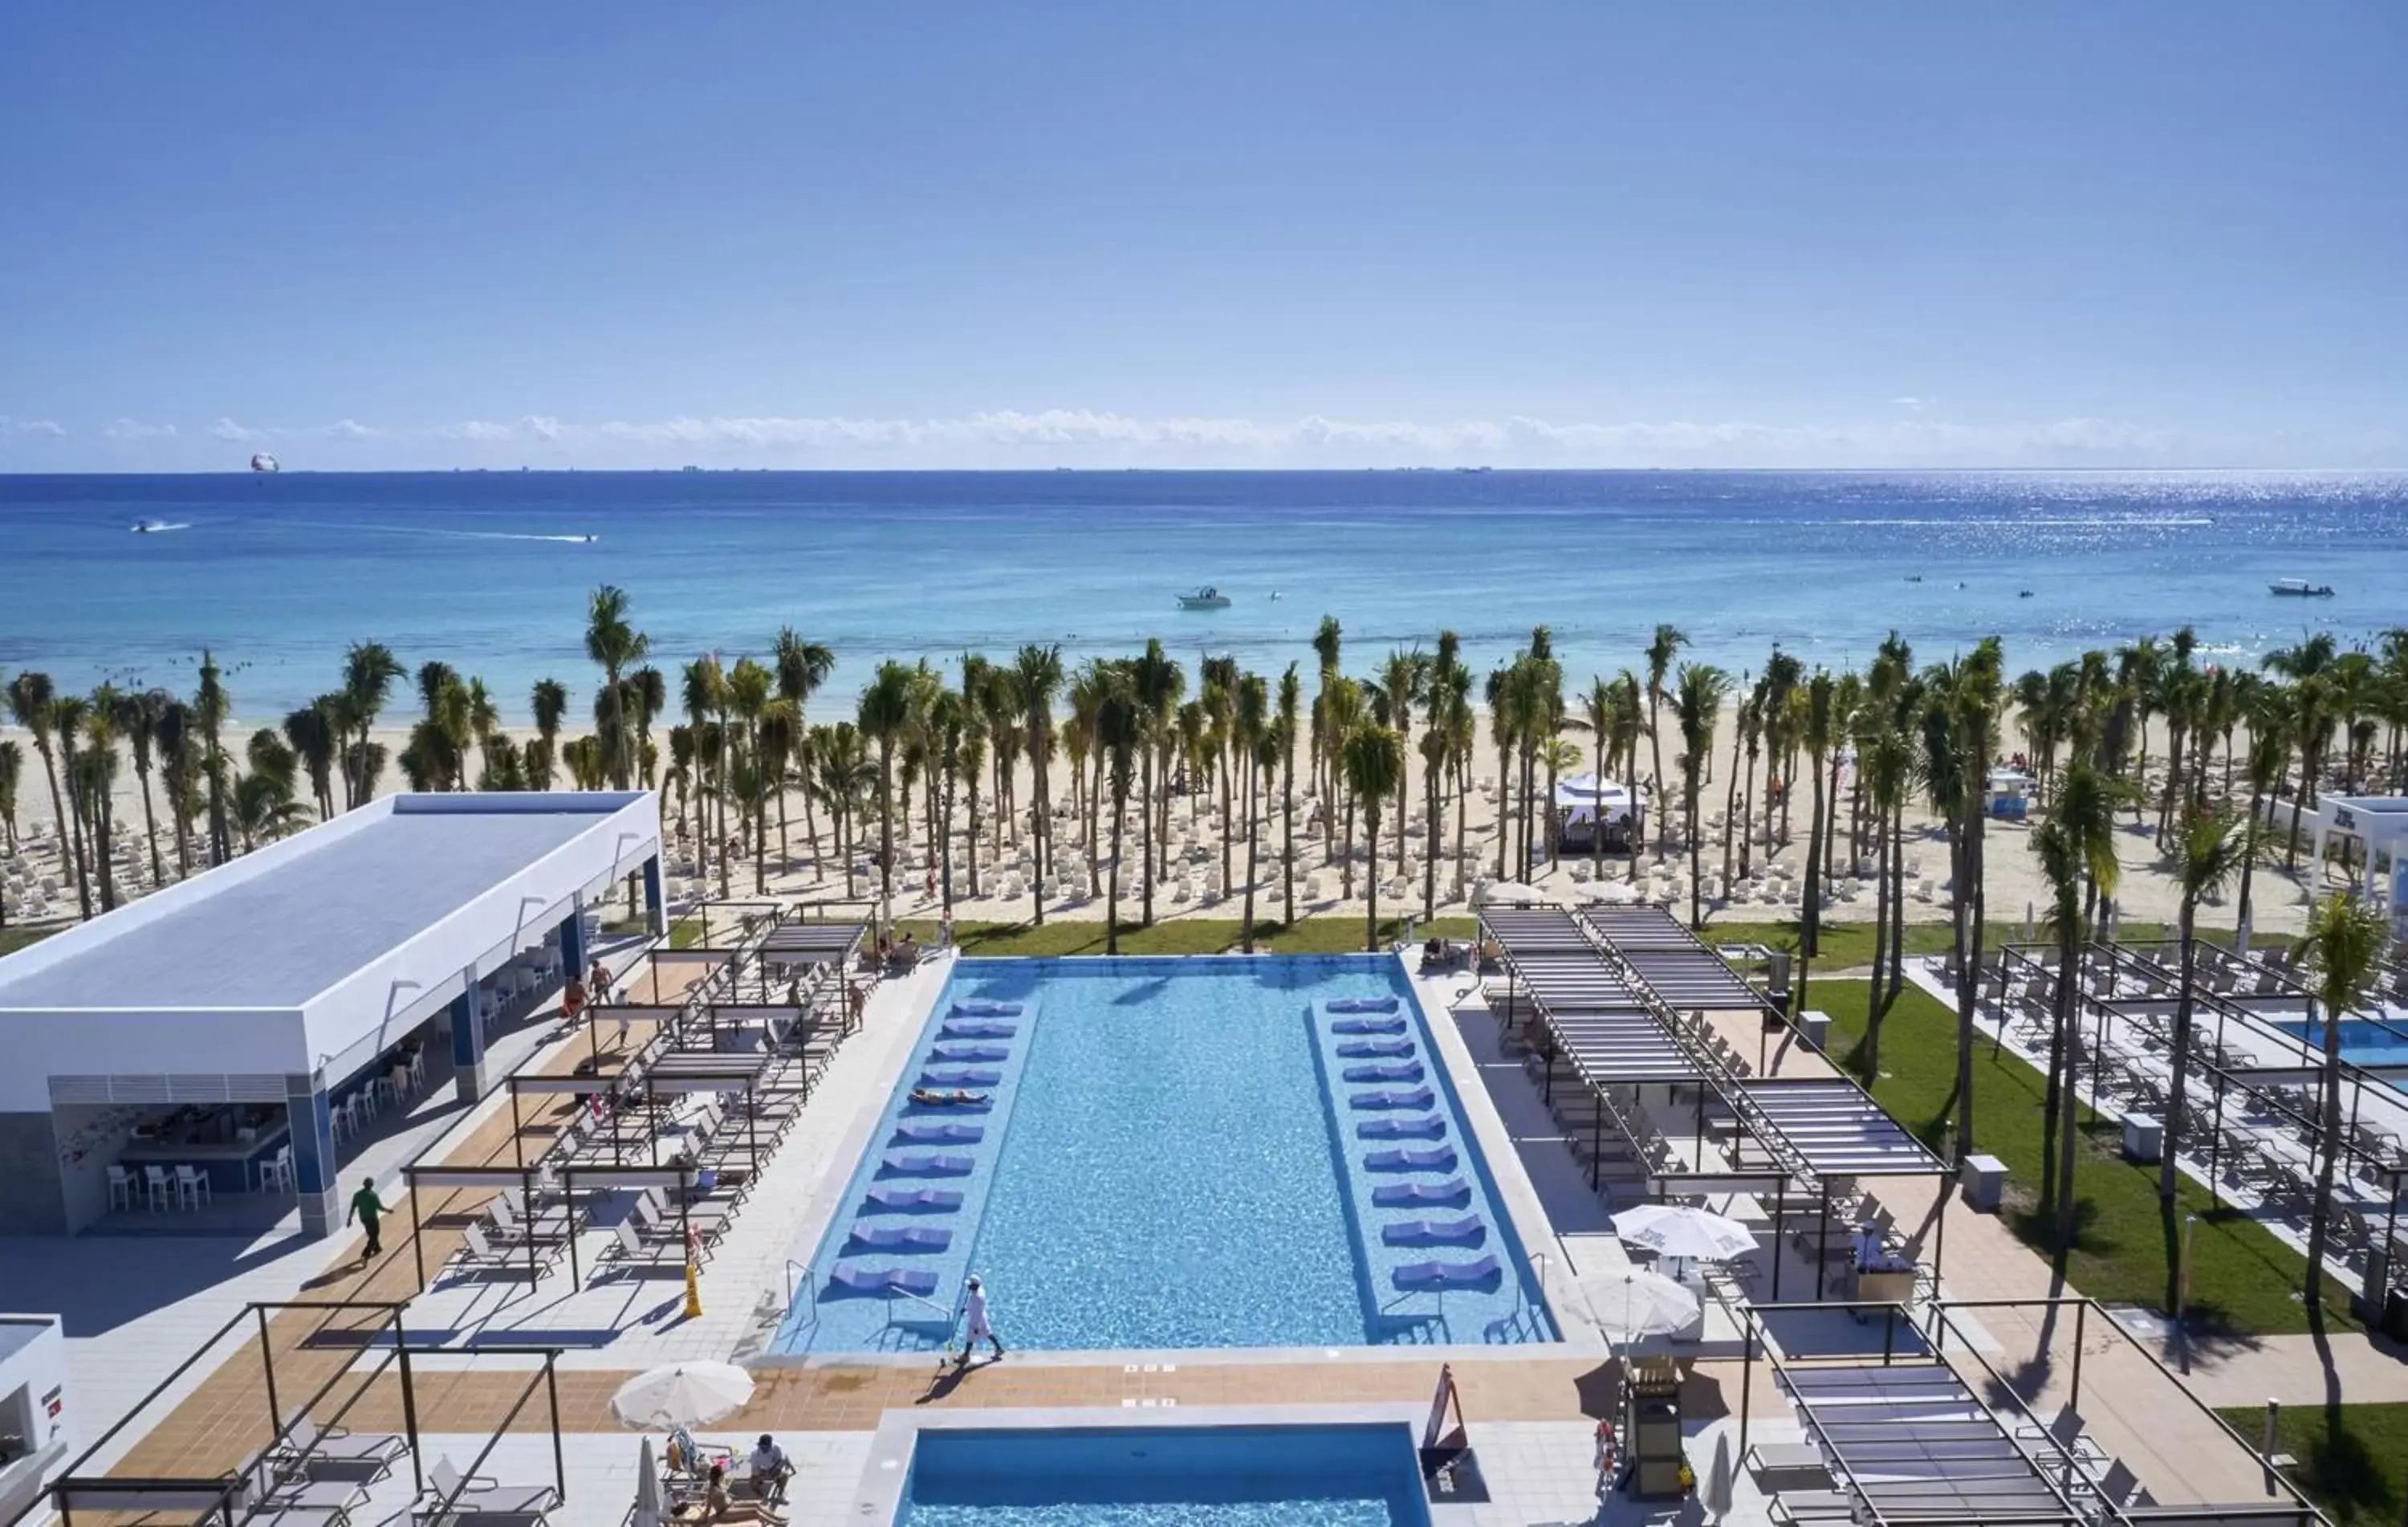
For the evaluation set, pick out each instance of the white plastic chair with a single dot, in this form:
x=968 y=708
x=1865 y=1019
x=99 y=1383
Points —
x=192 y=1187
x=121 y=1187
x=160 y=1190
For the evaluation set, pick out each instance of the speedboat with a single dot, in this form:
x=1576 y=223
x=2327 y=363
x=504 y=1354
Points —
x=1207 y=598
x=149 y=528
x=2299 y=588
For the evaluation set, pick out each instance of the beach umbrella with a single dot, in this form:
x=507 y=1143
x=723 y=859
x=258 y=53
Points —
x=1679 y=1231
x=1719 y=1479
x=1510 y=893
x=1634 y=1302
x=689 y=1394
x=648 y=1508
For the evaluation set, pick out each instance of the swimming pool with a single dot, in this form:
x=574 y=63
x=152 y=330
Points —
x=2362 y=1044
x=1172 y=1153
x=1172 y=1476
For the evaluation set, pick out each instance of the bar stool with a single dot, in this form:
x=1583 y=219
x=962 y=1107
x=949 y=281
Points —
x=418 y=1069
x=276 y=1173
x=161 y=1193
x=192 y=1187
x=121 y=1187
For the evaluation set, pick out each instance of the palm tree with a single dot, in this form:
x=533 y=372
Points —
x=211 y=706
x=885 y=711
x=803 y=667
x=2343 y=949
x=264 y=809
x=98 y=773
x=1375 y=761
x=1817 y=735
x=12 y=770
x=845 y=778
x=1668 y=640
x=972 y=762
x=1435 y=750
x=2076 y=845
x=1158 y=683
x=2212 y=848
x=1404 y=678
x=748 y=688
x=1697 y=703
x=647 y=696
x=2270 y=756
x=311 y=732
x=1251 y=726
x=615 y=646
x=30 y=698
x=1888 y=760
x=369 y=673
x=1120 y=727
x=549 y=700
x=1036 y=674
x=174 y=731
x=67 y=713
x=702 y=693
x=138 y=717
x=1291 y=701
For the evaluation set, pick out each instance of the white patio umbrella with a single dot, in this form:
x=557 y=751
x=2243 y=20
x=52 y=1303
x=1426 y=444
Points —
x=1512 y=893
x=1684 y=1232
x=689 y=1394
x=1635 y=1302
x=648 y=1508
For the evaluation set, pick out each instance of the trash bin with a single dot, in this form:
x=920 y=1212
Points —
x=2144 y=1138
x=1814 y=1028
x=1984 y=1179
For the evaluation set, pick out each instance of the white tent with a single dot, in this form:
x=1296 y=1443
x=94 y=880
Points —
x=1579 y=799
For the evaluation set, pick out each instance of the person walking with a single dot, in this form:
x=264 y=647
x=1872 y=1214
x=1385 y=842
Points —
x=980 y=1326
x=368 y=1209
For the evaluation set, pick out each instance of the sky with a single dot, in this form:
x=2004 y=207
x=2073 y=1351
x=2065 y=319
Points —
x=606 y=234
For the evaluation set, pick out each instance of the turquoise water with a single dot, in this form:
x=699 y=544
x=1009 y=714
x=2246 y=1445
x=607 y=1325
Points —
x=489 y=572
x=1171 y=1158
x=1219 y=1476
x=2362 y=1044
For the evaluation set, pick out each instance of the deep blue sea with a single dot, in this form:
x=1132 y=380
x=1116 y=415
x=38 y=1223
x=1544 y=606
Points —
x=487 y=572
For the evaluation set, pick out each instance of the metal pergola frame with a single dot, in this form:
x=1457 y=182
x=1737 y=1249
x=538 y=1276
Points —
x=524 y=1178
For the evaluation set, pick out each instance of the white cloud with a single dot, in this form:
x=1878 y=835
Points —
x=1911 y=405
x=226 y=429
x=47 y=429
x=352 y=430
x=134 y=429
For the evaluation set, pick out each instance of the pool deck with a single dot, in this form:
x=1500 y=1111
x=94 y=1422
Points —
x=1532 y=1410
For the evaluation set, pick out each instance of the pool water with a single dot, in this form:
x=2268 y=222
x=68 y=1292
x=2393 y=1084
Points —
x=1186 y=1477
x=1172 y=1156
x=2362 y=1044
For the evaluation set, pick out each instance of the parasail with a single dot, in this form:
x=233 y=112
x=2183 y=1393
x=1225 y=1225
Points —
x=263 y=462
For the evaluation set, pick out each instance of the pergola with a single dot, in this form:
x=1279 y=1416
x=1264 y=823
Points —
x=1820 y=1129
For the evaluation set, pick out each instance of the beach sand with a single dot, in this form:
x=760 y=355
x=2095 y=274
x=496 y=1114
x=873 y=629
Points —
x=2012 y=882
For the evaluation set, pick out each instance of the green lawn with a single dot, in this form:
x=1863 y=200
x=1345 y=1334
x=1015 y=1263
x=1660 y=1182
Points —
x=2353 y=1462
x=1849 y=946
x=2243 y=1280
x=1177 y=936
x=14 y=939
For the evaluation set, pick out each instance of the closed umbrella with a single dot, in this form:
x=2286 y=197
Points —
x=1634 y=1302
x=1719 y=1479
x=689 y=1394
x=1679 y=1231
x=649 y=1509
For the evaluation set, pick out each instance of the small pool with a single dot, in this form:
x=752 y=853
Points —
x=1167 y=1476
x=2362 y=1044
x=1172 y=1153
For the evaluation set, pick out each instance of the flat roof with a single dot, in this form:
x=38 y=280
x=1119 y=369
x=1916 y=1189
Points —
x=280 y=939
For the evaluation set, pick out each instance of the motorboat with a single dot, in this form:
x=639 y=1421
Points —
x=1207 y=598
x=2299 y=588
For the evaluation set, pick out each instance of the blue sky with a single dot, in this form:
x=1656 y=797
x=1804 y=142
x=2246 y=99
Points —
x=1219 y=234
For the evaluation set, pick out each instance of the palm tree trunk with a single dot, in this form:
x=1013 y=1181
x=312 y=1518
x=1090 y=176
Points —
x=1113 y=897
x=1968 y=984
x=1810 y=912
x=59 y=819
x=1429 y=857
x=2070 y=1009
x=1253 y=849
x=1730 y=812
x=1874 y=1001
x=1146 y=844
x=1695 y=919
x=2174 y=1095
x=151 y=828
x=1898 y=899
x=1372 y=878
x=970 y=844
x=2327 y=1153
x=1287 y=855
x=1504 y=807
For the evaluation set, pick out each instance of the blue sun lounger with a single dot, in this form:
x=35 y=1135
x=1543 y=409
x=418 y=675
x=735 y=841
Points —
x=1405 y=1195
x=1439 y=1159
x=939 y=1134
x=897 y=1238
x=1468 y=1230
x=983 y=1007
x=1432 y=1128
x=1437 y=1277
x=882 y=1282
x=1405 y=1071
x=905 y=1163
x=1361 y=1004
x=960 y=1076
x=1368 y=1026
x=977 y=1030
x=1366 y=1049
x=914 y=1200
x=1391 y=1098
x=963 y=1054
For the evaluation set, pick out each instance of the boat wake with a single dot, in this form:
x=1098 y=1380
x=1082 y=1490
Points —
x=456 y=535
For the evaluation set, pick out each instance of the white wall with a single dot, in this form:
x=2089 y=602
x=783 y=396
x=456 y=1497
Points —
x=39 y=1044
x=39 y=1370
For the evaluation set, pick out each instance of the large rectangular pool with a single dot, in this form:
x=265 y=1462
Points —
x=1365 y=1475
x=1172 y=1153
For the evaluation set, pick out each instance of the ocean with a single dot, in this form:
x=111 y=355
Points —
x=489 y=572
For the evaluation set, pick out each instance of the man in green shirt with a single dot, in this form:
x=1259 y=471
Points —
x=367 y=1208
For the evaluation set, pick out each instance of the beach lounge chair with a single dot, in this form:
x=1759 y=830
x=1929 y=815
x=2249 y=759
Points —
x=1468 y=1230
x=977 y=1030
x=477 y=1253
x=1440 y=1160
x=906 y=1164
x=1437 y=1277
x=981 y=1007
x=1368 y=1026
x=897 y=1238
x=307 y=1443
x=451 y=1497
x=1391 y=1098
x=882 y=1282
x=960 y=1076
x=627 y=1245
x=939 y=1134
x=1406 y=1070
x=1361 y=1004
x=914 y=1199
x=1366 y=1049
x=1402 y=1128
x=964 y=1055
x=1400 y=1195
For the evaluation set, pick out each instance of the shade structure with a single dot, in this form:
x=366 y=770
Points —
x=1909 y=1441
x=1536 y=929
x=1618 y=1045
x=689 y=1394
x=1629 y=928
x=1834 y=1129
x=812 y=943
x=1673 y=1230
x=1633 y=1303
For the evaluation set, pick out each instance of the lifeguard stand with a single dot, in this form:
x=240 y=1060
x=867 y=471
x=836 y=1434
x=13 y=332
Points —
x=1651 y=1428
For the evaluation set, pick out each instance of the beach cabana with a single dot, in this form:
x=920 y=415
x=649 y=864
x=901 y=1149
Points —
x=1584 y=802
x=229 y=1023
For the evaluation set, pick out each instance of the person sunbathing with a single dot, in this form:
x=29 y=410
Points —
x=958 y=1097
